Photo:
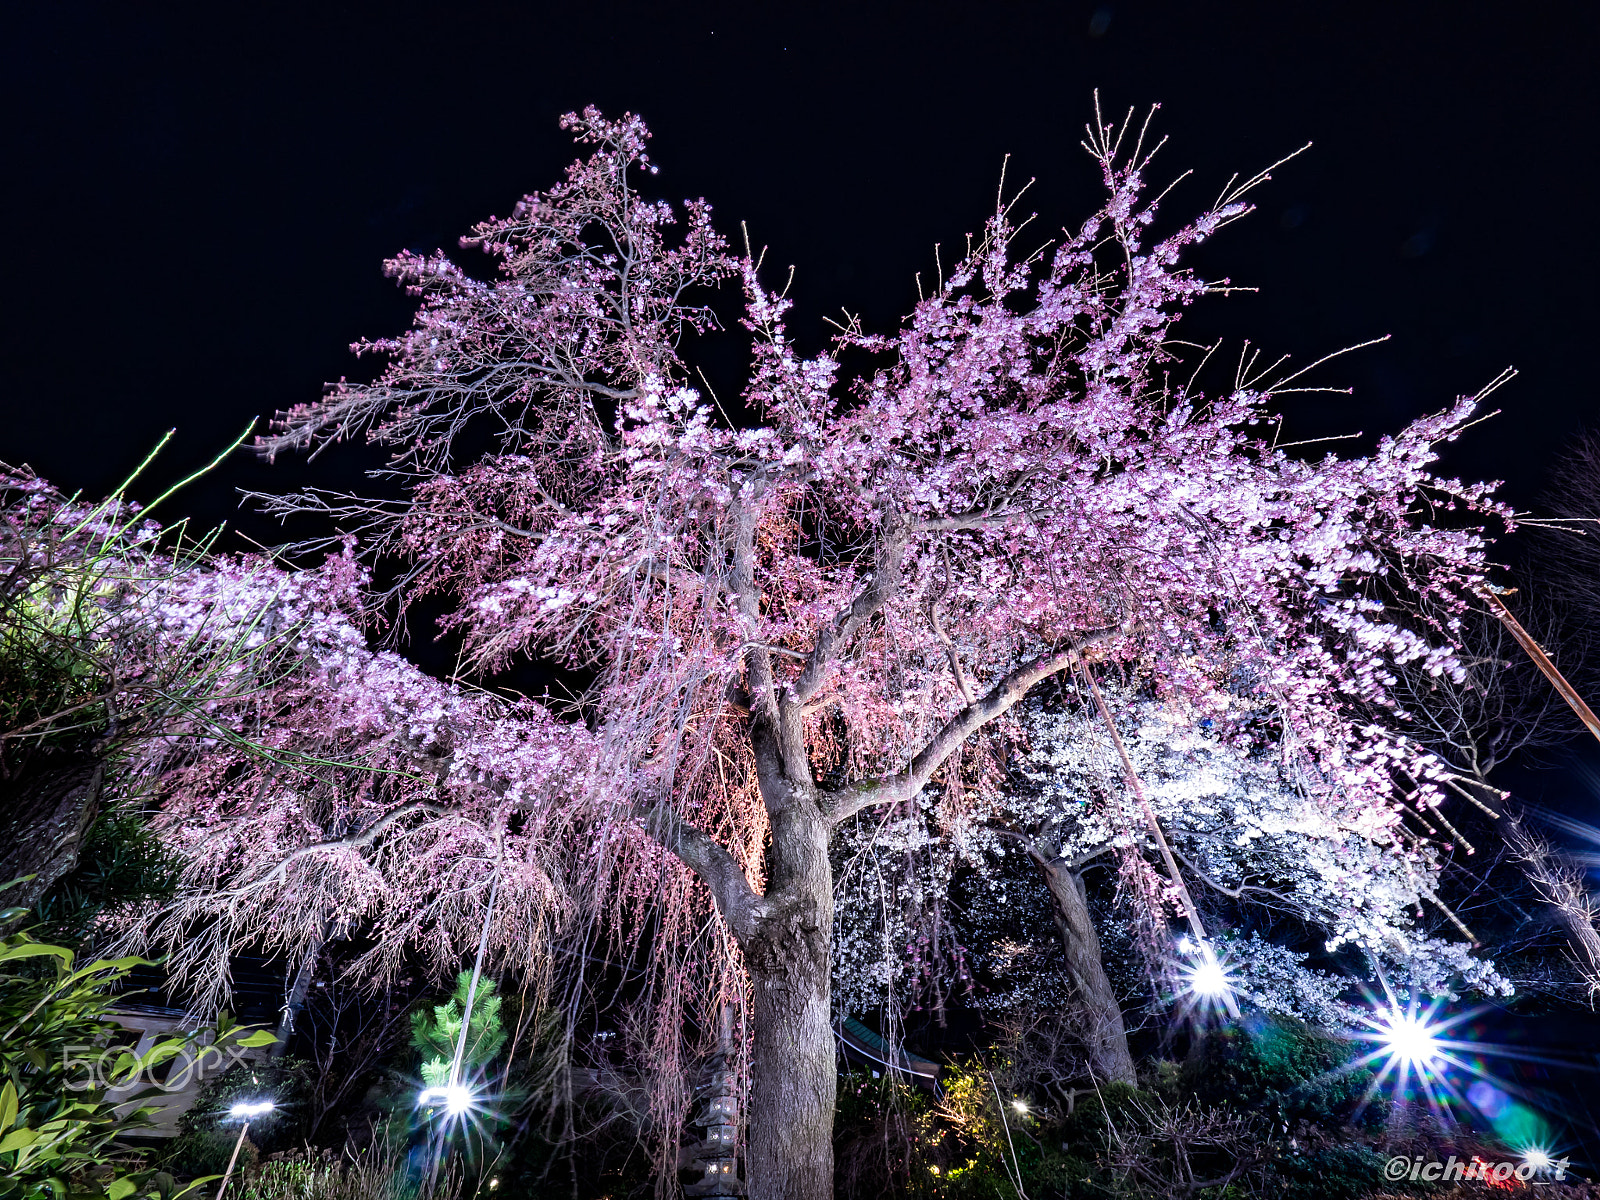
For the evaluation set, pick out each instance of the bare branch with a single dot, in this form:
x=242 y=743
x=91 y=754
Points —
x=1007 y=692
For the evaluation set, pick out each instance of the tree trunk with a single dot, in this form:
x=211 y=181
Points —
x=44 y=814
x=295 y=1000
x=794 y=1077
x=1105 y=1037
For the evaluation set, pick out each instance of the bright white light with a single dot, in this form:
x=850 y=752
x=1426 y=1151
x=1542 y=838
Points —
x=1408 y=1038
x=1536 y=1158
x=1185 y=946
x=249 y=1109
x=1209 y=979
x=1020 y=1105
x=455 y=1097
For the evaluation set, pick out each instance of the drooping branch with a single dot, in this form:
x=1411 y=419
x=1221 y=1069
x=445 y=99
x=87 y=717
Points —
x=356 y=840
x=706 y=857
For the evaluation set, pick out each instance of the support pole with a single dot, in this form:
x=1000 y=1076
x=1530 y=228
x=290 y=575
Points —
x=1542 y=661
x=228 y=1174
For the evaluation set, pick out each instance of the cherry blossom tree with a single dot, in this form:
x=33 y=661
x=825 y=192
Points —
x=788 y=609
x=87 y=684
x=1249 y=842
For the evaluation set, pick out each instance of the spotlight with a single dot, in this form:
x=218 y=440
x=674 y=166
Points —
x=455 y=1097
x=1020 y=1105
x=1536 y=1158
x=246 y=1111
x=1209 y=979
x=1408 y=1038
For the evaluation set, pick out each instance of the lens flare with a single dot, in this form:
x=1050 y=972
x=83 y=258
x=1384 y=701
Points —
x=1410 y=1038
x=1209 y=979
x=1206 y=982
x=456 y=1098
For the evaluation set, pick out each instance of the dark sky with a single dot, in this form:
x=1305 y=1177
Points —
x=200 y=198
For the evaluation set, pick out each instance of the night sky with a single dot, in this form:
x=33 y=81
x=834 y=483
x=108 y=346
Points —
x=199 y=198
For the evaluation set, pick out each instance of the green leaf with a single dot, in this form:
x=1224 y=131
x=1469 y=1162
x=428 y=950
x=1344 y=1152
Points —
x=19 y=1138
x=8 y=1104
x=35 y=950
x=120 y=1188
x=261 y=1037
x=117 y=964
x=195 y=1186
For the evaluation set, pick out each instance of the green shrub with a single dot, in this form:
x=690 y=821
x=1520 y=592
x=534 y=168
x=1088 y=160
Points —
x=377 y=1173
x=58 y=1130
x=1334 y=1173
x=435 y=1030
x=1280 y=1067
x=207 y=1133
x=121 y=862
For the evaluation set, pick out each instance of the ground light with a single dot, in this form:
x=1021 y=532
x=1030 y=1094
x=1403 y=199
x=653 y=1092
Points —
x=1207 y=982
x=457 y=1098
x=1410 y=1038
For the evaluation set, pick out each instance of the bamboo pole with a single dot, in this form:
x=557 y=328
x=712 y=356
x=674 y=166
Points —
x=1542 y=661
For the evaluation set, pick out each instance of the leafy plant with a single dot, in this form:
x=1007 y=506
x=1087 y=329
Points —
x=207 y=1132
x=59 y=1128
x=1281 y=1066
x=436 y=1030
x=122 y=862
x=377 y=1173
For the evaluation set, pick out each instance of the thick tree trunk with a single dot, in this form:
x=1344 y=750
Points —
x=793 y=1076
x=1105 y=1037
x=44 y=814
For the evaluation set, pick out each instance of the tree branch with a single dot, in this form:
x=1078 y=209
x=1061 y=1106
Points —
x=717 y=869
x=903 y=785
x=365 y=838
x=885 y=579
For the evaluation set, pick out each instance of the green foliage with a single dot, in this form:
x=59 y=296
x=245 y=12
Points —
x=1280 y=1067
x=892 y=1139
x=435 y=1030
x=59 y=1129
x=1332 y=1173
x=377 y=1173
x=883 y=1135
x=122 y=862
x=1109 y=1104
x=47 y=662
x=1114 y=1140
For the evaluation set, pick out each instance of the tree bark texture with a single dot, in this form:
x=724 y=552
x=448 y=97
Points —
x=789 y=957
x=1105 y=1036
x=44 y=814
